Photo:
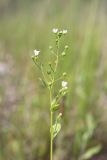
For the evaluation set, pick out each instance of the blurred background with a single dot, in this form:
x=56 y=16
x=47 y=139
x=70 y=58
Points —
x=24 y=109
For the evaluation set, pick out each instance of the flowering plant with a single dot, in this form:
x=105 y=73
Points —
x=49 y=78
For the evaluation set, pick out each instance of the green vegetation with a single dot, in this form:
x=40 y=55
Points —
x=49 y=79
x=24 y=102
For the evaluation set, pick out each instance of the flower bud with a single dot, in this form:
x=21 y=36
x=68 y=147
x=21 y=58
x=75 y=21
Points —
x=66 y=47
x=59 y=117
x=50 y=47
x=64 y=74
x=63 y=54
x=48 y=72
x=55 y=107
x=50 y=84
x=56 y=41
x=60 y=114
x=60 y=34
x=32 y=57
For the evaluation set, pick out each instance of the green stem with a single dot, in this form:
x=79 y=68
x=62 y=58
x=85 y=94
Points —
x=43 y=74
x=51 y=138
x=57 y=56
x=36 y=63
x=50 y=90
x=51 y=128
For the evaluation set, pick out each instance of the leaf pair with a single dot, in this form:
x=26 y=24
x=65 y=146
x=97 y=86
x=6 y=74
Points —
x=57 y=126
x=54 y=105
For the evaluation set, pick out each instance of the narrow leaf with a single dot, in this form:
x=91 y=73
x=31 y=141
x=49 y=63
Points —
x=56 y=129
x=91 y=152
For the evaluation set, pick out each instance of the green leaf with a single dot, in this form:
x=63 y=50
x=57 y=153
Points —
x=91 y=152
x=43 y=82
x=58 y=118
x=57 y=126
x=55 y=107
x=53 y=102
x=90 y=122
x=90 y=127
x=56 y=129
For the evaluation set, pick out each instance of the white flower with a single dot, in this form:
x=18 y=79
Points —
x=64 y=84
x=64 y=31
x=54 y=30
x=36 y=53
